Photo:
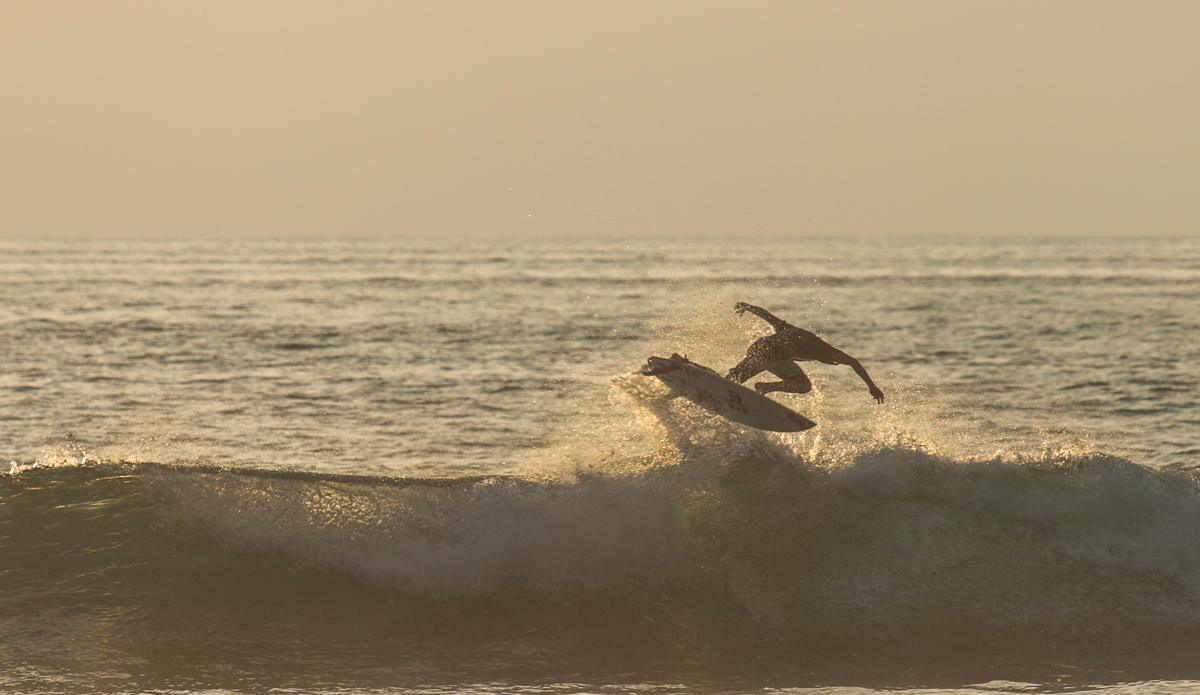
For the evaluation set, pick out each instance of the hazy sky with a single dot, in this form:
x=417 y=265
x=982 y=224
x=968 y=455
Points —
x=568 y=117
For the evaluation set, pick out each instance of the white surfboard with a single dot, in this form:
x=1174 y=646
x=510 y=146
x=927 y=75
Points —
x=726 y=398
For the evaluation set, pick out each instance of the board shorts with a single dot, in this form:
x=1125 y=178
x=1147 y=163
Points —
x=784 y=369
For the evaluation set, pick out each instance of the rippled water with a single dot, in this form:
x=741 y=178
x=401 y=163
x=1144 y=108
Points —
x=417 y=466
x=426 y=357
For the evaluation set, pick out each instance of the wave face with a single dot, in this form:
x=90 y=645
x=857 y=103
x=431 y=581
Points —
x=683 y=563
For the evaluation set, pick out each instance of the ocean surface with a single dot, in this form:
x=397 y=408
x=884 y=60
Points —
x=431 y=466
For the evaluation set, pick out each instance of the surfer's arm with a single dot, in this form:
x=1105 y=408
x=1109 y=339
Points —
x=861 y=371
x=776 y=322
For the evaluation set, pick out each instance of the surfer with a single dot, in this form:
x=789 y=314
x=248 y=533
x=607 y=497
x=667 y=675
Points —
x=777 y=353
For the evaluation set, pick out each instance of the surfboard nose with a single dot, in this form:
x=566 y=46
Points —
x=802 y=422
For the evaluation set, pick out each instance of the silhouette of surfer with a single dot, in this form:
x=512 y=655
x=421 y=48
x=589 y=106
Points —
x=777 y=353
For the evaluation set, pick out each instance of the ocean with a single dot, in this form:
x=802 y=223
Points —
x=431 y=466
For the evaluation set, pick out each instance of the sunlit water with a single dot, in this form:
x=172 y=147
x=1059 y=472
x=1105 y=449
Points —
x=417 y=466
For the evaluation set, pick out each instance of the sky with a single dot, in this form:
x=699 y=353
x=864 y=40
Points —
x=517 y=118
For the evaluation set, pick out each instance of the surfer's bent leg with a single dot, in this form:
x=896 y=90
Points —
x=792 y=379
x=758 y=359
x=744 y=370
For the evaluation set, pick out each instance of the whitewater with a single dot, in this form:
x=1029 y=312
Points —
x=419 y=466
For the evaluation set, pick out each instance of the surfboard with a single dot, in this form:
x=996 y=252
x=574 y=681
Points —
x=726 y=398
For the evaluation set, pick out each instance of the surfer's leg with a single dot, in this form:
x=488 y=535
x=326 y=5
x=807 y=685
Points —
x=744 y=370
x=792 y=379
x=758 y=358
x=800 y=384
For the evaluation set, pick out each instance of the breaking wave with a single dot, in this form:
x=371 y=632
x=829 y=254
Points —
x=717 y=541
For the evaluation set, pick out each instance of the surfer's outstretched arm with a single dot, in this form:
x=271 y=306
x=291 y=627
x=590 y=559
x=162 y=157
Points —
x=861 y=371
x=776 y=322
